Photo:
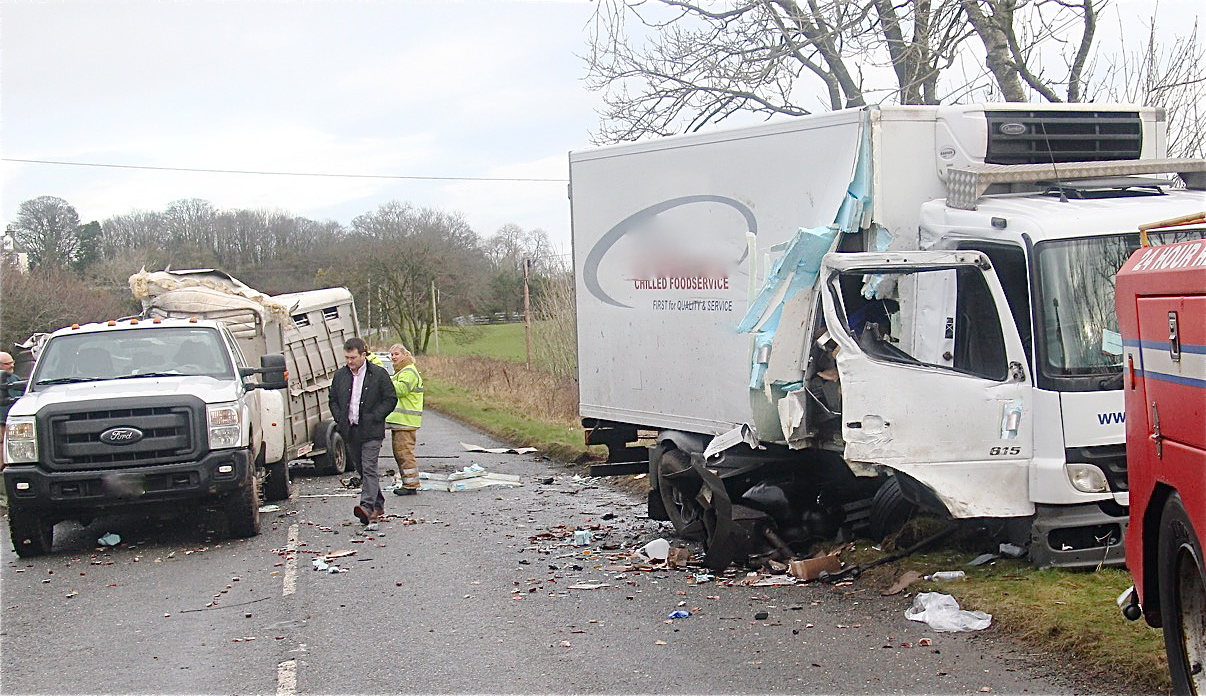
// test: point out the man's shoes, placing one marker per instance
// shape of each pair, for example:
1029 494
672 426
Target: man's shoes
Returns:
363 515
377 516
405 491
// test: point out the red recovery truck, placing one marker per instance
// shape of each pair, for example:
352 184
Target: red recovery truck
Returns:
1161 304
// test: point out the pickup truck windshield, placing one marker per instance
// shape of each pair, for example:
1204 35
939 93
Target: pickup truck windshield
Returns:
1078 330
150 352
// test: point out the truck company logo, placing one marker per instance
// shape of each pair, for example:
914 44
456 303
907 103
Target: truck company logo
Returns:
1178 256
121 435
663 262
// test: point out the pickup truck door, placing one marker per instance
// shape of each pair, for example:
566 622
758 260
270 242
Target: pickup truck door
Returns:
933 380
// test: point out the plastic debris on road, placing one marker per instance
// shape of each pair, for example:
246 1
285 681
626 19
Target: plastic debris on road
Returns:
678 614
582 537
469 478
109 539
942 613
498 450
656 550
270 508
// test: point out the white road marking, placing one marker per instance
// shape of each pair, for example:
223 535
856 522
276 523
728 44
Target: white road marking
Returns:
289 582
286 678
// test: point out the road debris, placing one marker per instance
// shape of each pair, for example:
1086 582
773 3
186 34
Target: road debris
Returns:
498 450
902 583
110 539
469 478
942 613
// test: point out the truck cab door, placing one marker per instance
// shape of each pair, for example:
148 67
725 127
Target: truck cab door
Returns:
933 376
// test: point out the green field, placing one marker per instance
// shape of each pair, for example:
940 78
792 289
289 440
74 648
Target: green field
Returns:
502 341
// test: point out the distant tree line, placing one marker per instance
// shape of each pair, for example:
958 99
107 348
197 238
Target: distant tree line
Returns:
395 260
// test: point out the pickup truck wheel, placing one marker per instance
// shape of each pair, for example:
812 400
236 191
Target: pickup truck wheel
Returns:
335 459
32 534
243 510
678 487
1182 599
276 483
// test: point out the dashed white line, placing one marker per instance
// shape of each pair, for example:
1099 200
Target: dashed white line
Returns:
286 678
289 582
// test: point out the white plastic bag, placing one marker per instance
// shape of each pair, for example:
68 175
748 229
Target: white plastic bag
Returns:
942 613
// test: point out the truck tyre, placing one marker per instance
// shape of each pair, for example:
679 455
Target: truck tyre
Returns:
32 534
276 482
243 510
678 491
890 509
335 459
1182 598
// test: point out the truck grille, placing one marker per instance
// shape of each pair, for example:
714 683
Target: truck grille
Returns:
75 442
1111 459
1041 137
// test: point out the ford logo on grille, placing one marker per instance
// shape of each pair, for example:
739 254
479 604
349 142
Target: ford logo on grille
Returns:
1013 128
121 435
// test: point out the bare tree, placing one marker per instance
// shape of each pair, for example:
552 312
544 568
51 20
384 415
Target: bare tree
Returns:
668 66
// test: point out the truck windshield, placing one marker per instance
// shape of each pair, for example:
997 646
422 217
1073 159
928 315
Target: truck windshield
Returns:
131 354
1078 329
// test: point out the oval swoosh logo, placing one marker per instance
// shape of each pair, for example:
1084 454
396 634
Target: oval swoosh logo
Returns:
122 435
590 267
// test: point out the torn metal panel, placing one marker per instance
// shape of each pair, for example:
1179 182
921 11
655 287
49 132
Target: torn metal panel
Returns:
742 433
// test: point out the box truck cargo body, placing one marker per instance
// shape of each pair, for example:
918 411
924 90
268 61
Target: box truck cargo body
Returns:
828 322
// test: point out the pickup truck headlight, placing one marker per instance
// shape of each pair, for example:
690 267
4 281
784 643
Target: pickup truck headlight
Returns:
225 425
1087 478
21 441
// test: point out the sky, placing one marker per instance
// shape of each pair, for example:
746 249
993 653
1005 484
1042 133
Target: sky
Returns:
487 91
482 89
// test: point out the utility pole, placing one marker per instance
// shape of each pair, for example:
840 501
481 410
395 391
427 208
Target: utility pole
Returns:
527 312
435 318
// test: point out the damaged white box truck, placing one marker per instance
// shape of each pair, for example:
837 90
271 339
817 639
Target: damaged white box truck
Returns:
815 327
161 413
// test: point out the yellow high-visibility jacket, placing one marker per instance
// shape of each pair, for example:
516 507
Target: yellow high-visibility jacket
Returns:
408 385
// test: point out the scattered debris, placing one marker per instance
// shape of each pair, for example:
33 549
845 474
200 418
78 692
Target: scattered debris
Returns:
110 539
656 550
902 583
582 537
812 568
983 558
947 576
942 613
1012 550
499 450
470 478
678 614
270 508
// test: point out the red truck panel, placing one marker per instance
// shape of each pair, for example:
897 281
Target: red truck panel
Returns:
1155 282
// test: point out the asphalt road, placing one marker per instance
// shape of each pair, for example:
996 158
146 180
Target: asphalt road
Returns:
465 592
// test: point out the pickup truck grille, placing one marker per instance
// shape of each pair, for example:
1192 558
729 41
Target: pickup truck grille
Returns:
75 441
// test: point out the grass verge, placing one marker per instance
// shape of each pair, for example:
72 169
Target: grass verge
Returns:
1066 613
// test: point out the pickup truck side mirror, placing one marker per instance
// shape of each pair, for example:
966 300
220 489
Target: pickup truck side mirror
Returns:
272 367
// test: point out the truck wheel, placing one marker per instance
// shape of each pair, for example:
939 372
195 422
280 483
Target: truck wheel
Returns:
32 534
335 459
276 483
243 510
678 491
1182 598
890 509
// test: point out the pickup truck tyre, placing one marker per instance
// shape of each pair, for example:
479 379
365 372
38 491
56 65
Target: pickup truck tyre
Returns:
276 483
32 534
335 459
1182 598
678 491
243 510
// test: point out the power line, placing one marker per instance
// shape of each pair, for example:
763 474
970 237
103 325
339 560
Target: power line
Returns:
267 173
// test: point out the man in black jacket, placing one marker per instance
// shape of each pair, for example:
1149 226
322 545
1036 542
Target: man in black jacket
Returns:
361 397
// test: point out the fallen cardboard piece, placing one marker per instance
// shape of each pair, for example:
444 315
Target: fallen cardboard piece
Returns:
902 583
811 568
498 450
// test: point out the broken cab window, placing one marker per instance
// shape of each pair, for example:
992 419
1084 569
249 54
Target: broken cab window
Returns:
942 317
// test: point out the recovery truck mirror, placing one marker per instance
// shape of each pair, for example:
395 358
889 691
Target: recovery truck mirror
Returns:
272 367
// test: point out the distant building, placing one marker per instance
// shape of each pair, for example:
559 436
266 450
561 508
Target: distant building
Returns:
8 251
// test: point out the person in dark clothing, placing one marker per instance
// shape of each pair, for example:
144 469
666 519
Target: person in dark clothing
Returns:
7 395
360 399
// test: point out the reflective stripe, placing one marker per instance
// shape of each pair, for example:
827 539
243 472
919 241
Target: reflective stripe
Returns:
407 412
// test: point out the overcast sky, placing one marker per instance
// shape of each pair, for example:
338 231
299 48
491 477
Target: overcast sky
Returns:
488 89
439 88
